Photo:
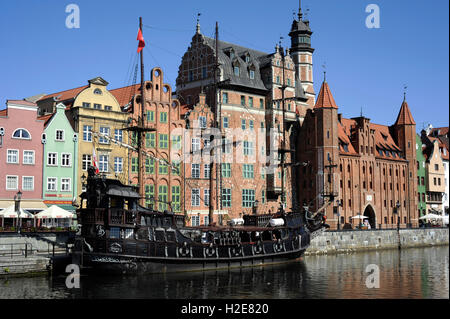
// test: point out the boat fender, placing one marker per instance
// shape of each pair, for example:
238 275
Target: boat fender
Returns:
236 251
184 250
278 246
210 251
258 248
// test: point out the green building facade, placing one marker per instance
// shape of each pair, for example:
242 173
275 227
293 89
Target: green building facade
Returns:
60 161
421 178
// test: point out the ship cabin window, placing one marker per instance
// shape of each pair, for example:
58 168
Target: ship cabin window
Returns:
171 236
159 235
128 233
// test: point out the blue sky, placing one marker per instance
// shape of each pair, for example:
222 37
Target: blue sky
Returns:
366 68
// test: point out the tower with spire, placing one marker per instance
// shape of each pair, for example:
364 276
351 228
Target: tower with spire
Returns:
302 53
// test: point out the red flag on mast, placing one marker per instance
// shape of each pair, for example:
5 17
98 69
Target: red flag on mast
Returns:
140 37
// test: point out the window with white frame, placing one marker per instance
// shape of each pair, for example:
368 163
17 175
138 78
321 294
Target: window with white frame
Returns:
202 121
104 131
195 197
52 159
21 133
118 164
27 183
12 157
65 184
195 144
66 159
103 163
118 135
28 157
195 220
195 170
59 136
207 170
87 133
51 184
12 182
86 161
206 196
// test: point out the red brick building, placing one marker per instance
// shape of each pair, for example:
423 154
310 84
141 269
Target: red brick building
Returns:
375 165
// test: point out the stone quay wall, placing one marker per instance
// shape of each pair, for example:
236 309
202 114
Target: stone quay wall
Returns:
335 242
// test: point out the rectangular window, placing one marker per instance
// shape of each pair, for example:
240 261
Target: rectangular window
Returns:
226 170
204 72
202 121
86 161
87 133
134 165
150 116
118 135
52 159
28 157
27 183
51 184
195 197
195 170
149 166
149 195
176 197
104 131
163 117
248 148
226 146
195 144
176 168
252 74
206 197
226 197
108 107
236 71
225 98
176 142
225 122
162 198
207 170
261 103
163 141
66 159
12 157
163 168
103 163
150 140
85 104
243 124
97 106
263 196
250 101
195 220
242 100
248 171
65 184
12 182
118 164
248 198
59 136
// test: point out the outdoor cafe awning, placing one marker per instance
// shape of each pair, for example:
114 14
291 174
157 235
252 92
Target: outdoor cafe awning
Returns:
10 212
25 204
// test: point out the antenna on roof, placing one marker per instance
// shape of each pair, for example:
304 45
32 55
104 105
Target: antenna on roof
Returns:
361 112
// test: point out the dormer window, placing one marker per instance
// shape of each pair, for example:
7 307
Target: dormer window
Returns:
21 133
237 70
252 74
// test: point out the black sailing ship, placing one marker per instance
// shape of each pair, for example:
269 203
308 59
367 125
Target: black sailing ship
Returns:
118 235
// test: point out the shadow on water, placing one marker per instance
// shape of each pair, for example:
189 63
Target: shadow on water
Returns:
409 273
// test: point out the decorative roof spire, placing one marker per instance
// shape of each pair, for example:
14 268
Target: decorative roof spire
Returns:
325 98
300 14
404 116
197 29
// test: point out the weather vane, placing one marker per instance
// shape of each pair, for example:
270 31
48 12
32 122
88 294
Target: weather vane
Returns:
324 67
405 87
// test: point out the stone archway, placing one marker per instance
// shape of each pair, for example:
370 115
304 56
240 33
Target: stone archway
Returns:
370 212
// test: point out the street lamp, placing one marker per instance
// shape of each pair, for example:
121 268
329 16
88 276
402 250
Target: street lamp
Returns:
336 212
17 199
255 207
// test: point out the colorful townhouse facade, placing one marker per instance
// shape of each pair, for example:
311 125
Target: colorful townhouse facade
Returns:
421 178
21 155
60 165
95 115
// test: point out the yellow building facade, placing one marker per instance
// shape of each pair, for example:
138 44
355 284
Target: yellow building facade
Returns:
96 113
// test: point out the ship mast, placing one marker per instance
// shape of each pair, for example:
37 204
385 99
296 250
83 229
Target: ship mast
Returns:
283 149
140 145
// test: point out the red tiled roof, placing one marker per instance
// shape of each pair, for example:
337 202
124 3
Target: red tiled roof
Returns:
65 95
440 130
404 116
124 95
442 146
4 112
46 118
325 98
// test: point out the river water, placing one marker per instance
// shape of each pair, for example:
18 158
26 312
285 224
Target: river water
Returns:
418 273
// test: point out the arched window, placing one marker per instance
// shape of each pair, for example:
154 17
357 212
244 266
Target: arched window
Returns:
21 133
98 91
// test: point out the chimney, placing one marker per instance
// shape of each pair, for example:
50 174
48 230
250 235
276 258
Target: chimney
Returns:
340 118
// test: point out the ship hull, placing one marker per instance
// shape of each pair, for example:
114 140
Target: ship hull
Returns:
134 265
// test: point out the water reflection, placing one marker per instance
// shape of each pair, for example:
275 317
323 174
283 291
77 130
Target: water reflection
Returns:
410 273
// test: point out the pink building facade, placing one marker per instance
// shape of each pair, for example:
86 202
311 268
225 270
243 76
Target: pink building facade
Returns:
21 155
